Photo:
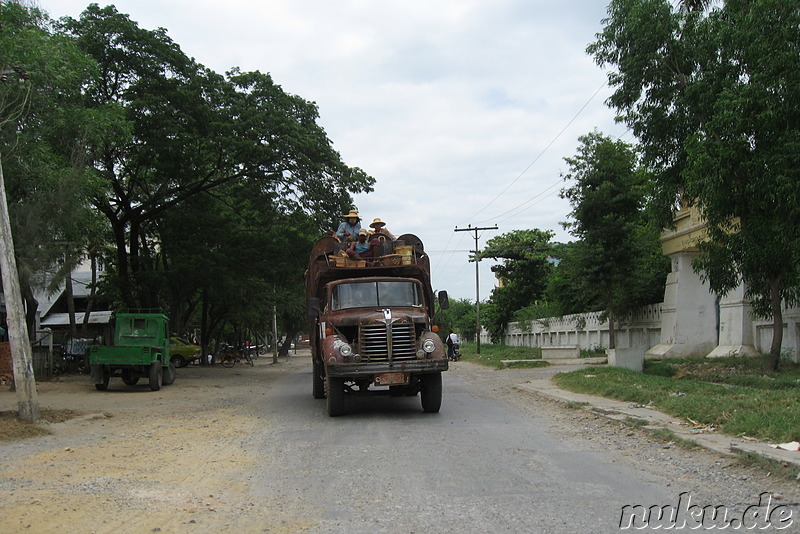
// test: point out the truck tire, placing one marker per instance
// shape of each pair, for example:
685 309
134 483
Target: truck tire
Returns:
431 392
168 375
335 396
318 380
128 378
106 376
156 374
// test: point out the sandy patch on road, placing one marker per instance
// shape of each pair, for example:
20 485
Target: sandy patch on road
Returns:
167 461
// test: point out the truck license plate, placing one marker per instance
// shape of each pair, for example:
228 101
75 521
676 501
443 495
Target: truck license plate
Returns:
392 379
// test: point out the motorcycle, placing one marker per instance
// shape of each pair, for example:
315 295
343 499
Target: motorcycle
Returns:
456 353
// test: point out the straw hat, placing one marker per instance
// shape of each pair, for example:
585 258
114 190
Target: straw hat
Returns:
363 231
377 223
353 213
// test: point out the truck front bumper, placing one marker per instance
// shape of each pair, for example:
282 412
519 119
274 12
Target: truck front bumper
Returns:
348 370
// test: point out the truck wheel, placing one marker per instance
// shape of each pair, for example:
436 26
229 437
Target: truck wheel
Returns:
431 392
168 375
128 378
179 361
318 380
335 396
156 373
102 386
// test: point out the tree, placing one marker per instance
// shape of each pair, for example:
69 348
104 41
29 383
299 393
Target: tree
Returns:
713 97
607 201
187 131
42 111
522 273
460 318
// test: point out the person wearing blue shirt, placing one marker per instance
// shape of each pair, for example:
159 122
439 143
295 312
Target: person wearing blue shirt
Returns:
349 227
361 247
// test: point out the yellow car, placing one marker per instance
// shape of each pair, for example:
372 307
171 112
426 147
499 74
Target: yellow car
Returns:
182 352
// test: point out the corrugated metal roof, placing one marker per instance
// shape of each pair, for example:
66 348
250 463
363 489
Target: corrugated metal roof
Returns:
62 319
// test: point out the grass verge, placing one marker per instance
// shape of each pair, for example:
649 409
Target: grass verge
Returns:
493 356
733 394
11 428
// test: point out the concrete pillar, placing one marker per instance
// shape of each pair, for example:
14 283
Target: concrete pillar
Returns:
688 315
735 326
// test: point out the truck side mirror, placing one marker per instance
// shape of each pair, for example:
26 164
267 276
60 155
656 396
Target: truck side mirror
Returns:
444 301
313 307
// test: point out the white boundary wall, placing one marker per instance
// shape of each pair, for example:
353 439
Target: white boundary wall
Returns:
642 330
585 330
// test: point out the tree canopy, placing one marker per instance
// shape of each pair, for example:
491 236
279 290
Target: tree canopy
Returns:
615 240
522 273
712 96
204 185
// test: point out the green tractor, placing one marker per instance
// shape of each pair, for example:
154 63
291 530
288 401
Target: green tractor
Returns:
140 349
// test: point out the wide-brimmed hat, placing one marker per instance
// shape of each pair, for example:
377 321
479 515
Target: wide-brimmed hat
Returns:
353 213
363 231
377 223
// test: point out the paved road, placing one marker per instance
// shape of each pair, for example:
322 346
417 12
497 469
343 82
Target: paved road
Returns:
480 465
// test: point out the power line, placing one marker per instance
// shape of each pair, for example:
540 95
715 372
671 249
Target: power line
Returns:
542 152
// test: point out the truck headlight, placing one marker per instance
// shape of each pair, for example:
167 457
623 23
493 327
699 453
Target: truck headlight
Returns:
428 346
345 350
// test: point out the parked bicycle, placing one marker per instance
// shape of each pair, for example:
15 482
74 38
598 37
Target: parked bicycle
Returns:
230 356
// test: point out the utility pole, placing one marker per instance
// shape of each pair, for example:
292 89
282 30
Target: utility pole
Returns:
477 260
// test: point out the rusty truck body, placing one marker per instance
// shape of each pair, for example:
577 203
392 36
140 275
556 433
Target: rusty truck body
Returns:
371 324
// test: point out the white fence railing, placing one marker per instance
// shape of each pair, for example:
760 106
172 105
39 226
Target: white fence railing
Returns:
641 330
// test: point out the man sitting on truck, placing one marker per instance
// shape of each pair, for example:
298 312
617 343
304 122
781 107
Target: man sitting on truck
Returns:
349 227
379 235
361 248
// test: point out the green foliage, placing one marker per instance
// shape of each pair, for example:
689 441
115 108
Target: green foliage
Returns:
734 394
493 355
460 318
200 193
617 250
42 115
713 98
523 270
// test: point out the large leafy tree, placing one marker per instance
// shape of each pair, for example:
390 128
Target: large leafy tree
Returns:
189 131
42 121
714 98
523 273
607 197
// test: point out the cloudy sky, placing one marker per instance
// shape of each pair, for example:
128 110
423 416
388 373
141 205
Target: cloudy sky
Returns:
463 110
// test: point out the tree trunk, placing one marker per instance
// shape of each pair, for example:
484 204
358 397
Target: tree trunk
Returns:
90 300
612 334
68 294
204 341
777 327
287 343
21 352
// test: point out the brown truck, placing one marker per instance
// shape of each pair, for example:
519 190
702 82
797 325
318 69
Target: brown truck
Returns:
371 324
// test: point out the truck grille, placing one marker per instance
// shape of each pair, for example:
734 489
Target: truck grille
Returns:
381 342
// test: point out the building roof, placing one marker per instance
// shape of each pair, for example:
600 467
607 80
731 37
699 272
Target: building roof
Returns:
56 320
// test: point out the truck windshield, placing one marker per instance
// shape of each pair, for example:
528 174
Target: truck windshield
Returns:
374 294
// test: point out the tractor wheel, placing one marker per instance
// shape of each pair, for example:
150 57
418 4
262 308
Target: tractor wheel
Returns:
156 374
102 386
128 378
169 375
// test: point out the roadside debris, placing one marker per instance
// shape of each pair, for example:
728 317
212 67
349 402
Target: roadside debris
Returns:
791 446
